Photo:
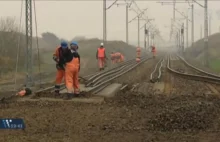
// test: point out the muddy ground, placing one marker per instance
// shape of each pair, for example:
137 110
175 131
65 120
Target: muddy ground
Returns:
130 116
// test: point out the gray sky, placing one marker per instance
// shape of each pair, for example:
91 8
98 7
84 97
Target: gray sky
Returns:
74 18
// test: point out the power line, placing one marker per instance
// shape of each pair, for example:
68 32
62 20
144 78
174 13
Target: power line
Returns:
18 46
37 42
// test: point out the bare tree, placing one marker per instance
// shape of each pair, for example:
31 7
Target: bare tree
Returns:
9 35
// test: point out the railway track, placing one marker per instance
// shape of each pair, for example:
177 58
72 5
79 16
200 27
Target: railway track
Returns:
157 72
98 81
201 76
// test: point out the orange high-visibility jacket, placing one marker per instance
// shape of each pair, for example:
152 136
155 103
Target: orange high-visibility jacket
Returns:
100 53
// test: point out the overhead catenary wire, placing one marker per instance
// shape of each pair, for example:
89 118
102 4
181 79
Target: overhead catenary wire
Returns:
111 4
37 43
18 47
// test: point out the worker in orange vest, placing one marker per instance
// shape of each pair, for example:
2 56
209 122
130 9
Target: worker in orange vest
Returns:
122 58
138 54
72 68
112 57
101 56
153 51
117 56
59 58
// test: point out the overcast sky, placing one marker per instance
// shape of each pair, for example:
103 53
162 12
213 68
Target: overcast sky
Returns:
84 18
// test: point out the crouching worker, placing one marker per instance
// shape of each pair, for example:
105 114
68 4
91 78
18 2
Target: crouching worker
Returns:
72 68
59 58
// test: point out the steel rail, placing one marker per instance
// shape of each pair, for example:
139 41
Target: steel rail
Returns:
97 89
112 75
110 72
197 69
103 72
91 76
192 76
152 76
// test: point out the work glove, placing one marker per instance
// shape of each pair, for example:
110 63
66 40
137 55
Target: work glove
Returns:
55 59
60 67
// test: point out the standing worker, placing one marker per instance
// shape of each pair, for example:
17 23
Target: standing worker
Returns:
58 57
101 56
138 54
153 51
72 68
122 58
117 56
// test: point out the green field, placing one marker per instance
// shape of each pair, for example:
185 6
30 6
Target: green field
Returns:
215 64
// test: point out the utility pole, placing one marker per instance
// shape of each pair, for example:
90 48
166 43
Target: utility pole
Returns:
174 12
192 38
138 30
127 5
201 31
127 23
29 60
145 34
182 40
187 28
210 18
104 22
148 39
177 39
206 33
152 38
138 18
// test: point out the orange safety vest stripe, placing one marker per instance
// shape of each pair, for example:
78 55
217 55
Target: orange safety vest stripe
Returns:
101 52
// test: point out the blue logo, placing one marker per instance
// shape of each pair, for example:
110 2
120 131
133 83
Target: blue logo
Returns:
12 124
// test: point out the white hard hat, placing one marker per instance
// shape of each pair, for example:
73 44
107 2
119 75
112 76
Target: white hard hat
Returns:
102 44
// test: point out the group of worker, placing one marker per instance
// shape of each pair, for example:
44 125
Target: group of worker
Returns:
117 57
138 53
67 61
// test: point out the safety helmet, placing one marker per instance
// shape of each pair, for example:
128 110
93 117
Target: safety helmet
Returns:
74 43
64 44
102 44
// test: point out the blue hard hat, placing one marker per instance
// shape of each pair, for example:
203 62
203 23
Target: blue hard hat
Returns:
64 44
74 43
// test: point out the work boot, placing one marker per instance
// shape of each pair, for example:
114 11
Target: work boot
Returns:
57 93
76 94
57 90
68 96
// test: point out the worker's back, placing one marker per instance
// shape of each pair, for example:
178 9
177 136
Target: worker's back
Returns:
101 52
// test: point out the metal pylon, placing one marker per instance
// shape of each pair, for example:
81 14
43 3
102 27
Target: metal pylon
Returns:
29 60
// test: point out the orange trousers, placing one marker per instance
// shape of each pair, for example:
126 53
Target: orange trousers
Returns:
71 79
101 61
154 54
59 76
